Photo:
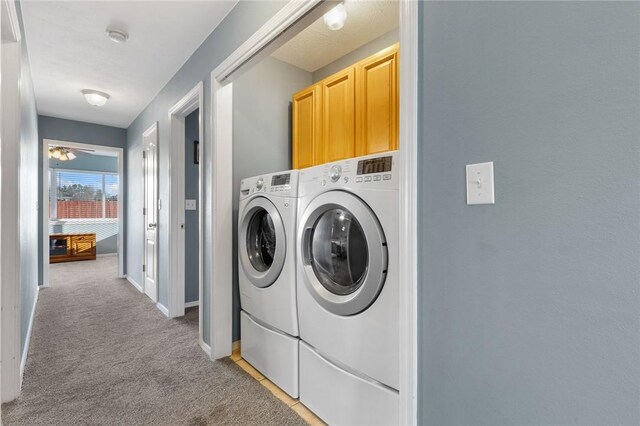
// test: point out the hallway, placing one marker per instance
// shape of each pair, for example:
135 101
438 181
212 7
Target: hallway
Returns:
102 354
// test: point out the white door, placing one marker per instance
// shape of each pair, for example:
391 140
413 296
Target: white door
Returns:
150 211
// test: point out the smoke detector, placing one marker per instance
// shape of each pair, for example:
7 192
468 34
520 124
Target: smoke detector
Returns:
117 36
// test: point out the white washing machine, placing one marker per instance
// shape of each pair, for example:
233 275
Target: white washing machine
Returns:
267 278
348 290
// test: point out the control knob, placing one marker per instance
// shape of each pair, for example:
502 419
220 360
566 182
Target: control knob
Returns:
336 172
259 184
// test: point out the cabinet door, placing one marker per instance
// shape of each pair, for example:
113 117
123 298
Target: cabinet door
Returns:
377 103
306 150
338 116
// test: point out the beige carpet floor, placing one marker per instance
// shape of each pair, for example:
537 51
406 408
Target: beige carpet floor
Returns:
102 354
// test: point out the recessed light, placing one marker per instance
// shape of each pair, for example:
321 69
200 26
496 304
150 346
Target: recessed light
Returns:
117 36
334 19
95 97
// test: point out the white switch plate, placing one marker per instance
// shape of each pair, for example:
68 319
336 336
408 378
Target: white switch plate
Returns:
480 183
190 204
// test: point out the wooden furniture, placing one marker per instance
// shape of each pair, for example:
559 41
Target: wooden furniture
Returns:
351 113
71 247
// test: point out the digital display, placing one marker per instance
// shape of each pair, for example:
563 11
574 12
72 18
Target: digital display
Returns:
281 179
374 165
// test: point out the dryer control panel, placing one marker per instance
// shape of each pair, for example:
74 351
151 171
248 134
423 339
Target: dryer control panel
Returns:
283 184
379 171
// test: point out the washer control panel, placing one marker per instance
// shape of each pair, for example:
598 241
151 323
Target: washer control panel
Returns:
283 184
370 172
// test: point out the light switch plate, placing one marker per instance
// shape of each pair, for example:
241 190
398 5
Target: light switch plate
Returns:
190 204
480 183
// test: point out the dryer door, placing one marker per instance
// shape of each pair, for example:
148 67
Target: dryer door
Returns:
261 242
344 253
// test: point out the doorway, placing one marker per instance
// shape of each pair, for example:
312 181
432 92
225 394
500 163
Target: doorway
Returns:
185 213
83 186
294 17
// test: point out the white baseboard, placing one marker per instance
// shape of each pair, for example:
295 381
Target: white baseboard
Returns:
134 283
162 309
206 348
106 254
192 304
25 352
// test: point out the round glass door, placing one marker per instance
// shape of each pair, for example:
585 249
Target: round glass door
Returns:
339 252
261 242
344 253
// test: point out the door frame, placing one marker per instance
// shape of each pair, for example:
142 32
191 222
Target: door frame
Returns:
10 108
220 157
44 201
194 99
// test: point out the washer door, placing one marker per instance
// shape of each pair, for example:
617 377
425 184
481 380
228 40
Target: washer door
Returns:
344 253
261 243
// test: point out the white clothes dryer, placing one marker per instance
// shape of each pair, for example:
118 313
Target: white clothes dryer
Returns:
266 274
348 290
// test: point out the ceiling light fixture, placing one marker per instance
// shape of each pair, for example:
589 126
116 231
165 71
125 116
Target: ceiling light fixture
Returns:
117 36
95 98
334 19
61 153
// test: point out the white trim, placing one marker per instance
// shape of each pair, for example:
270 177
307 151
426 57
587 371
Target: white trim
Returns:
106 254
193 100
206 348
409 77
220 156
162 309
12 15
44 202
192 304
134 283
11 217
25 352
10 224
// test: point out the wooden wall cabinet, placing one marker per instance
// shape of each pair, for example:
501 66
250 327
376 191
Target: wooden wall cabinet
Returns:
306 132
351 113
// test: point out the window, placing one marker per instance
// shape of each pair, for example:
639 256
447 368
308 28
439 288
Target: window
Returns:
83 195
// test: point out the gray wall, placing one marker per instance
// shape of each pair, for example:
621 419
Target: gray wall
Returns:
191 182
78 131
529 307
28 193
238 25
359 54
261 133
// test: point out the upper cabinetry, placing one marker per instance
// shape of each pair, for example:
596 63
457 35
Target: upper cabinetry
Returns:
351 113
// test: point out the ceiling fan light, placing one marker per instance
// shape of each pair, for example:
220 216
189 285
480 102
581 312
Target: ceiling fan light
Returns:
71 156
56 153
95 97
334 19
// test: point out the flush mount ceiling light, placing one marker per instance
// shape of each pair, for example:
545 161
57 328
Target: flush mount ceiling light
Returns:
117 36
61 153
95 97
334 19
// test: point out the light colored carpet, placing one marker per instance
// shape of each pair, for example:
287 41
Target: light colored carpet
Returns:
102 354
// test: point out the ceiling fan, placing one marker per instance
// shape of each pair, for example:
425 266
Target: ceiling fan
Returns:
64 153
